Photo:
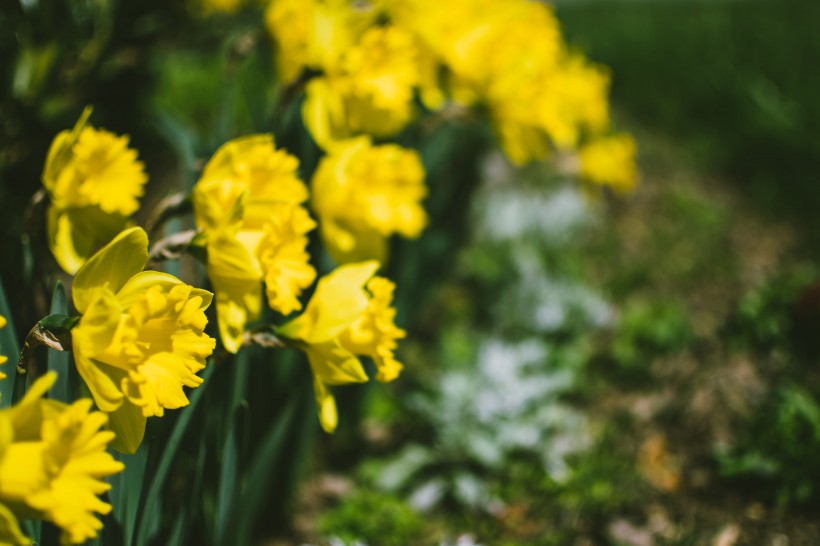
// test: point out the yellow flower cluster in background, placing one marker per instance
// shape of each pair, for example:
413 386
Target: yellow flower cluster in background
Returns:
94 182
349 315
374 59
53 463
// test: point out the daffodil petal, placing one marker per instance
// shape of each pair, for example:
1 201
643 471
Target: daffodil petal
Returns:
128 423
74 234
326 405
104 388
335 365
237 281
111 267
139 283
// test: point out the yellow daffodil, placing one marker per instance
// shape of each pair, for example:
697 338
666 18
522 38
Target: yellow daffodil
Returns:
140 338
53 462
370 91
363 194
247 204
511 58
349 315
94 182
610 161
315 33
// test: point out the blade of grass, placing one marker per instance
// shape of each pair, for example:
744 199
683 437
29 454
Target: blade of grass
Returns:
126 489
149 507
231 451
261 478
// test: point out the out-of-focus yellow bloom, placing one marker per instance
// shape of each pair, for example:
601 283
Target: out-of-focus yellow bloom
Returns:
315 33
369 91
350 314
52 463
283 256
610 161
94 181
363 194
551 111
140 338
247 205
510 57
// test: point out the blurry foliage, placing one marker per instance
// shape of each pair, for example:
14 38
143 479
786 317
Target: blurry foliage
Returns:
779 450
649 330
735 81
376 519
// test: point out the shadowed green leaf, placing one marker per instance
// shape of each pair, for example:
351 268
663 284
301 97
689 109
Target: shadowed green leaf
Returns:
262 477
149 511
9 348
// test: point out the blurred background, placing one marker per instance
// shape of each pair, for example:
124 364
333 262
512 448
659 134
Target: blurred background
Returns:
627 370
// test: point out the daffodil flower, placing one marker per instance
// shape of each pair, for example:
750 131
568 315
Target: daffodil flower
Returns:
140 338
370 91
315 33
363 194
94 182
53 462
348 316
247 204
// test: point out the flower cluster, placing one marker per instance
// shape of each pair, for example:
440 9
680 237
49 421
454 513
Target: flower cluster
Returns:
248 206
375 58
367 70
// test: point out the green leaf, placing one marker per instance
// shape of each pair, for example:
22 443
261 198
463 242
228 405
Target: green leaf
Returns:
262 478
127 488
60 361
32 529
8 347
235 438
149 511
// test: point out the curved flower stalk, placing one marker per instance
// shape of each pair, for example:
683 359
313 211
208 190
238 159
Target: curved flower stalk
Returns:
94 182
53 462
247 204
140 338
363 194
349 315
